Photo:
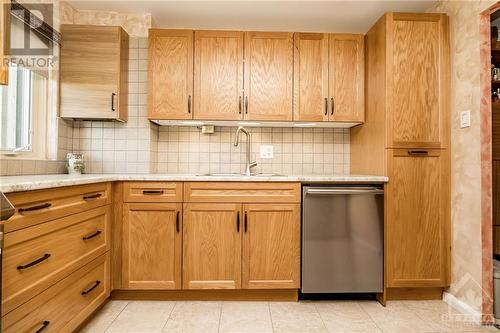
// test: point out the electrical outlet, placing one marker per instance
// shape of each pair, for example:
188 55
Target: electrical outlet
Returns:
266 151
465 119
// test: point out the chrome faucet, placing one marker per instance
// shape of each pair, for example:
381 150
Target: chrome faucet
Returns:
248 147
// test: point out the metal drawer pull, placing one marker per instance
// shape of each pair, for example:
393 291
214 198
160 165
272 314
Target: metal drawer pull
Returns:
189 104
35 262
95 234
418 152
345 191
92 196
44 326
333 106
177 225
246 104
85 292
246 222
113 102
30 209
152 192
238 222
239 105
326 106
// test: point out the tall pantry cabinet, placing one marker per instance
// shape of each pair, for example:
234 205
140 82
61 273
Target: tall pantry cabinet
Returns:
406 137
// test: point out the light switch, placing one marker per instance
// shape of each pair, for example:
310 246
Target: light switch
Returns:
266 151
465 119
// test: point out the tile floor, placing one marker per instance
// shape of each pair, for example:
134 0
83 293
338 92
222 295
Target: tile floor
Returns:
286 317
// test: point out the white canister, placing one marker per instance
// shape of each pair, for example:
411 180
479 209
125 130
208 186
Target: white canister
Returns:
75 164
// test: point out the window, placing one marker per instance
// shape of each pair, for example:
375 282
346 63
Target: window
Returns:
23 114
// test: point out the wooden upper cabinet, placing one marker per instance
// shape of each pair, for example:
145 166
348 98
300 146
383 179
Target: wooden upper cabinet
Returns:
271 246
418 220
268 76
212 246
170 74
4 40
346 78
94 67
418 80
310 77
152 245
218 75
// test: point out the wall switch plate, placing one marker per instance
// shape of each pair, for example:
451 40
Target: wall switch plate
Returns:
465 119
266 151
207 129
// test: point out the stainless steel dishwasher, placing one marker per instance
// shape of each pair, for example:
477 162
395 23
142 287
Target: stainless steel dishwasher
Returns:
342 239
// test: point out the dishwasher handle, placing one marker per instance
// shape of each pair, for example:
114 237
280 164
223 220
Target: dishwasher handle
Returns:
345 190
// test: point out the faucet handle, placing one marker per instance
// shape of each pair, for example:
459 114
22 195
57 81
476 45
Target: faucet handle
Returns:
253 164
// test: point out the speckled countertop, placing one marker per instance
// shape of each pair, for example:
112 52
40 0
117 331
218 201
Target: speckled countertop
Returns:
36 182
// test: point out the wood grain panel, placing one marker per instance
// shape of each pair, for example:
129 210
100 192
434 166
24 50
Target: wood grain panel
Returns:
4 41
91 68
63 305
218 75
63 201
414 294
152 246
152 192
116 235
218 192
61 239
310 77
211 246
170 73
268 76
271 246
417 227
346 77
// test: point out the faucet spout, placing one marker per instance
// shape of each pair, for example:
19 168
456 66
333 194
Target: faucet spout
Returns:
249 164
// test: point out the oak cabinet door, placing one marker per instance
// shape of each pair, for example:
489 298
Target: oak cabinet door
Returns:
271 246
310 77
346 76
418 218
170 74
94 67
152 236
268 76
218 75
418 78
212 246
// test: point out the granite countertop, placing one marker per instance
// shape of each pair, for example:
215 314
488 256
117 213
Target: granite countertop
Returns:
36 182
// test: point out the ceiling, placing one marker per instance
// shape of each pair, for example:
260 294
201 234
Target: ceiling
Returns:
320 16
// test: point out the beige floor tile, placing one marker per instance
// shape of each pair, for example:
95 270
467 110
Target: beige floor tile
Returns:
345 317
142 317
396 317
192 317
300 317
103 319
245 317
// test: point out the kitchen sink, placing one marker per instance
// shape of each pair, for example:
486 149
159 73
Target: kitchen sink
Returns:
240 175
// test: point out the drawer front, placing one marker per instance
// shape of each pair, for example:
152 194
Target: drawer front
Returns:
37 257
63 306
242 192
152 192
34 207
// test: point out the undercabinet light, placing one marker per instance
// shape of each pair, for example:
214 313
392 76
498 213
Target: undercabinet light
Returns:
305 124
192 123
243 123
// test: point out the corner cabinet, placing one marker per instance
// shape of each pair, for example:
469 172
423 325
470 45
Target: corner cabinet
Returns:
94 72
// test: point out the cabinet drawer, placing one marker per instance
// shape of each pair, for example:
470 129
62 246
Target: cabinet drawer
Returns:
39 256
62 307
242 192
34 207
152 192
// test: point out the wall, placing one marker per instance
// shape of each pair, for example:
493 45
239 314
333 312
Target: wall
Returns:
466 149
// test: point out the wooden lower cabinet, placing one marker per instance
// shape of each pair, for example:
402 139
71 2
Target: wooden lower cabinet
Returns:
212 246
271 246
152 245
418 221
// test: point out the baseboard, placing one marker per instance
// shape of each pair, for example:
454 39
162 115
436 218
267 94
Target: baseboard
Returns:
207 295
399 294
462 307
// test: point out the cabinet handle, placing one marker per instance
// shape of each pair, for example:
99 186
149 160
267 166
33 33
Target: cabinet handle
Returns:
96 284
43 327
333 106
326 106
92 196
95 234
38 207
152 192
246 222
418 152
238 222
34 262
246 104
189 104
177 224
113 102
239 105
